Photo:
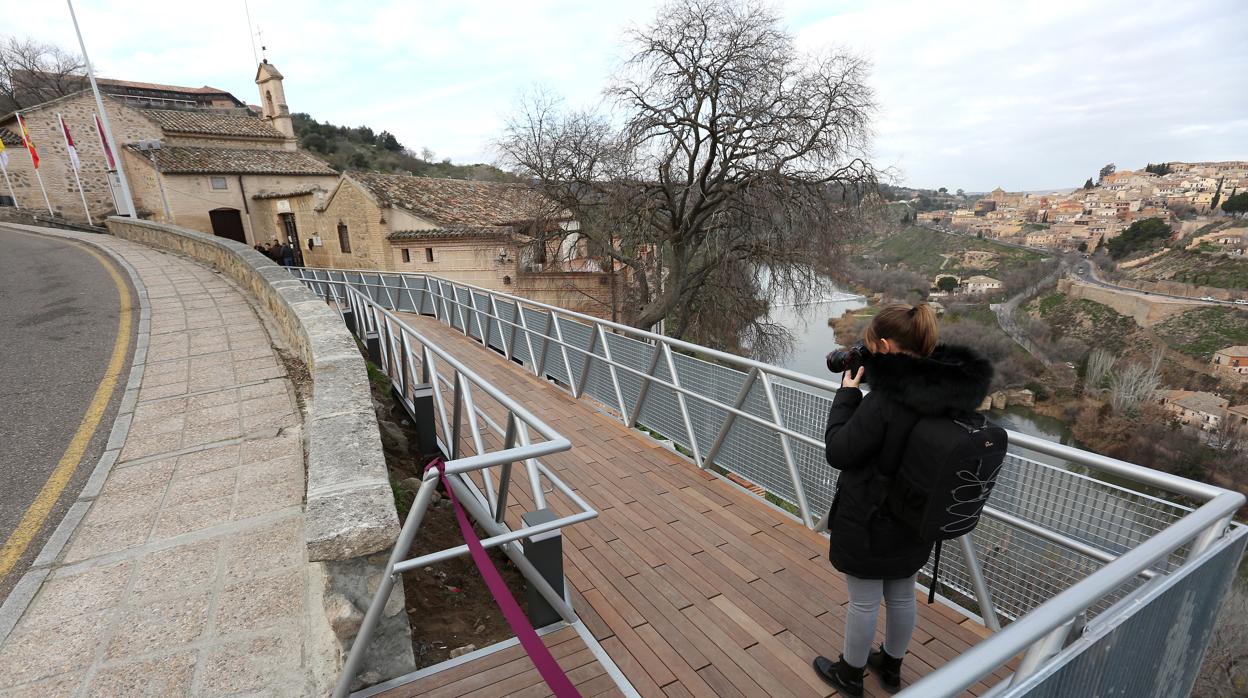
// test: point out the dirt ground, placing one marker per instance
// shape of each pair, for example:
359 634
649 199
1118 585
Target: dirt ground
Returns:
448 604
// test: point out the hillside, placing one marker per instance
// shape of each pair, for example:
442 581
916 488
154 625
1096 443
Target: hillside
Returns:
927 252
1197 267
1202 331
361 148
1089 322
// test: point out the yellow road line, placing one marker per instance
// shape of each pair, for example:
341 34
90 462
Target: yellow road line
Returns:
39 510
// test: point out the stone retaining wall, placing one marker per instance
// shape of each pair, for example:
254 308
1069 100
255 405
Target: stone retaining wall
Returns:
350 519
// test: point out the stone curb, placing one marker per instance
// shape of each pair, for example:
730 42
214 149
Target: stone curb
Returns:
342 441
26 588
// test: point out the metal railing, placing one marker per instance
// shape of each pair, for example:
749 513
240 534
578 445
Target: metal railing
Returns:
464 430
1047 533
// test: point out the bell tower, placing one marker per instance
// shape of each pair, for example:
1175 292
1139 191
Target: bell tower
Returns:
273 107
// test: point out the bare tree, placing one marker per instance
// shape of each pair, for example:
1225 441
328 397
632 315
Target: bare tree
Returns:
729 152
1132 385
32 72
1100 364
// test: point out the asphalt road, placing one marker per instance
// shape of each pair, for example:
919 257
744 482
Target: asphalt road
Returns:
1089 274
59 315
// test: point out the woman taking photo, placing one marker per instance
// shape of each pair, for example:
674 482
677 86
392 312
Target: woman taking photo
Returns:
911 376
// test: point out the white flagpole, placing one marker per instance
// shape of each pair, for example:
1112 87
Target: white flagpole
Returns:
73 166
108 130
12 194
26 138
108 171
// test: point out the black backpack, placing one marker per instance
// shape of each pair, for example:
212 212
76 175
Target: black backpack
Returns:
945 502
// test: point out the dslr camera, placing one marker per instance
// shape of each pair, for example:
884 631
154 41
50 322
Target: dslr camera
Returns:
848 358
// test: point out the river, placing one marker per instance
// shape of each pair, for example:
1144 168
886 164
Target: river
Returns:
814 338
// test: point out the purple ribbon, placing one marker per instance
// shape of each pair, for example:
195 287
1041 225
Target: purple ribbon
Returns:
546 665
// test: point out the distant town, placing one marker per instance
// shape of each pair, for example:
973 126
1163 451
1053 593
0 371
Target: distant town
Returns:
1100 210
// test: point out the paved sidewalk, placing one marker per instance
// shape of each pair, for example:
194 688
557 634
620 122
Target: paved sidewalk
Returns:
188 573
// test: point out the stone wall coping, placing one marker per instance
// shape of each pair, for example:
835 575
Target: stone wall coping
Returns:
350 507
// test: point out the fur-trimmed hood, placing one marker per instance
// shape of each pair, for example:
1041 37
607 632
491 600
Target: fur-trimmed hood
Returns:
953 379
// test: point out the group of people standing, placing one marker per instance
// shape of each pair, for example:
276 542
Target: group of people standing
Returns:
280 252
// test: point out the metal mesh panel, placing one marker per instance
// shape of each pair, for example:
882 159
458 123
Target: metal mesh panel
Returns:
1155 648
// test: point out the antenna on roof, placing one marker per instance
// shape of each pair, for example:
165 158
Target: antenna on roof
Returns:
250 34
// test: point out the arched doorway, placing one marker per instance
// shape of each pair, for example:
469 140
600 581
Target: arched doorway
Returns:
227 223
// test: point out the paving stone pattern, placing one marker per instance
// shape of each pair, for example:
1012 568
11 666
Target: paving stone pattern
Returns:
188 575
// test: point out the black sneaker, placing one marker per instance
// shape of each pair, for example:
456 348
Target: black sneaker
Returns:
844 678
887 667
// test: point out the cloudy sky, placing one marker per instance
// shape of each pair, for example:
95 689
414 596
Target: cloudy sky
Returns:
1025 95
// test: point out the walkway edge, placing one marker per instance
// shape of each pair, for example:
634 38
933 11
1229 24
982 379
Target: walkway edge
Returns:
24 591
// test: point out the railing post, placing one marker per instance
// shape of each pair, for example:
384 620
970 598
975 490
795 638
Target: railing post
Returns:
578 388
615 376
987 610
563 347
1041 651
540 370
528 336
786 448
360 644
457 415
731 417
645 388
430 375
530 465
504 475
684 406
502 336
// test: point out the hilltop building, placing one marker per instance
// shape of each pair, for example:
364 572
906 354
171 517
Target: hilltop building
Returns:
1193 408
215 155
1231 362
496 235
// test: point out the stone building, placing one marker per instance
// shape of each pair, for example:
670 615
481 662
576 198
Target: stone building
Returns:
495 235
215 155
1231 362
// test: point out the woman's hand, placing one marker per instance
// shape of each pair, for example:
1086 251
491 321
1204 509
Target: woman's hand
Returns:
848 381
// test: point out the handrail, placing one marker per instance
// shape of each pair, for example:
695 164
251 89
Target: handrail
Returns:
1104 464
984 657
398 345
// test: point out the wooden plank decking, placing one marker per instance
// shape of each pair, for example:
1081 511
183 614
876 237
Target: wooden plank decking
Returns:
509 672
692 585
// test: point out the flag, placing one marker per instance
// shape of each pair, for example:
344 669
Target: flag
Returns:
4 157
69 144
108 152
34 155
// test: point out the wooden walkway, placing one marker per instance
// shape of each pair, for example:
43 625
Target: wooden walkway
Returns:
692 585
509 672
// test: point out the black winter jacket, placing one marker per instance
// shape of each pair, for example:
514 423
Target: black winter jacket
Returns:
867 435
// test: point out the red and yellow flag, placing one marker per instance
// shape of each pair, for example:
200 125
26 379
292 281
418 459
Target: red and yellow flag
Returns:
30 146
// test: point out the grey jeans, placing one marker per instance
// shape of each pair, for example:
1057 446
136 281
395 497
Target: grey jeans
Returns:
864 606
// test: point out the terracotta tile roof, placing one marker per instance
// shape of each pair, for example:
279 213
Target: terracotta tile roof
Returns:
212 123
188 160
455 231
1203 402
205 90
450 202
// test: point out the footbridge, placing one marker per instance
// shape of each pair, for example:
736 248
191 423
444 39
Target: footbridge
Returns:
689 487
